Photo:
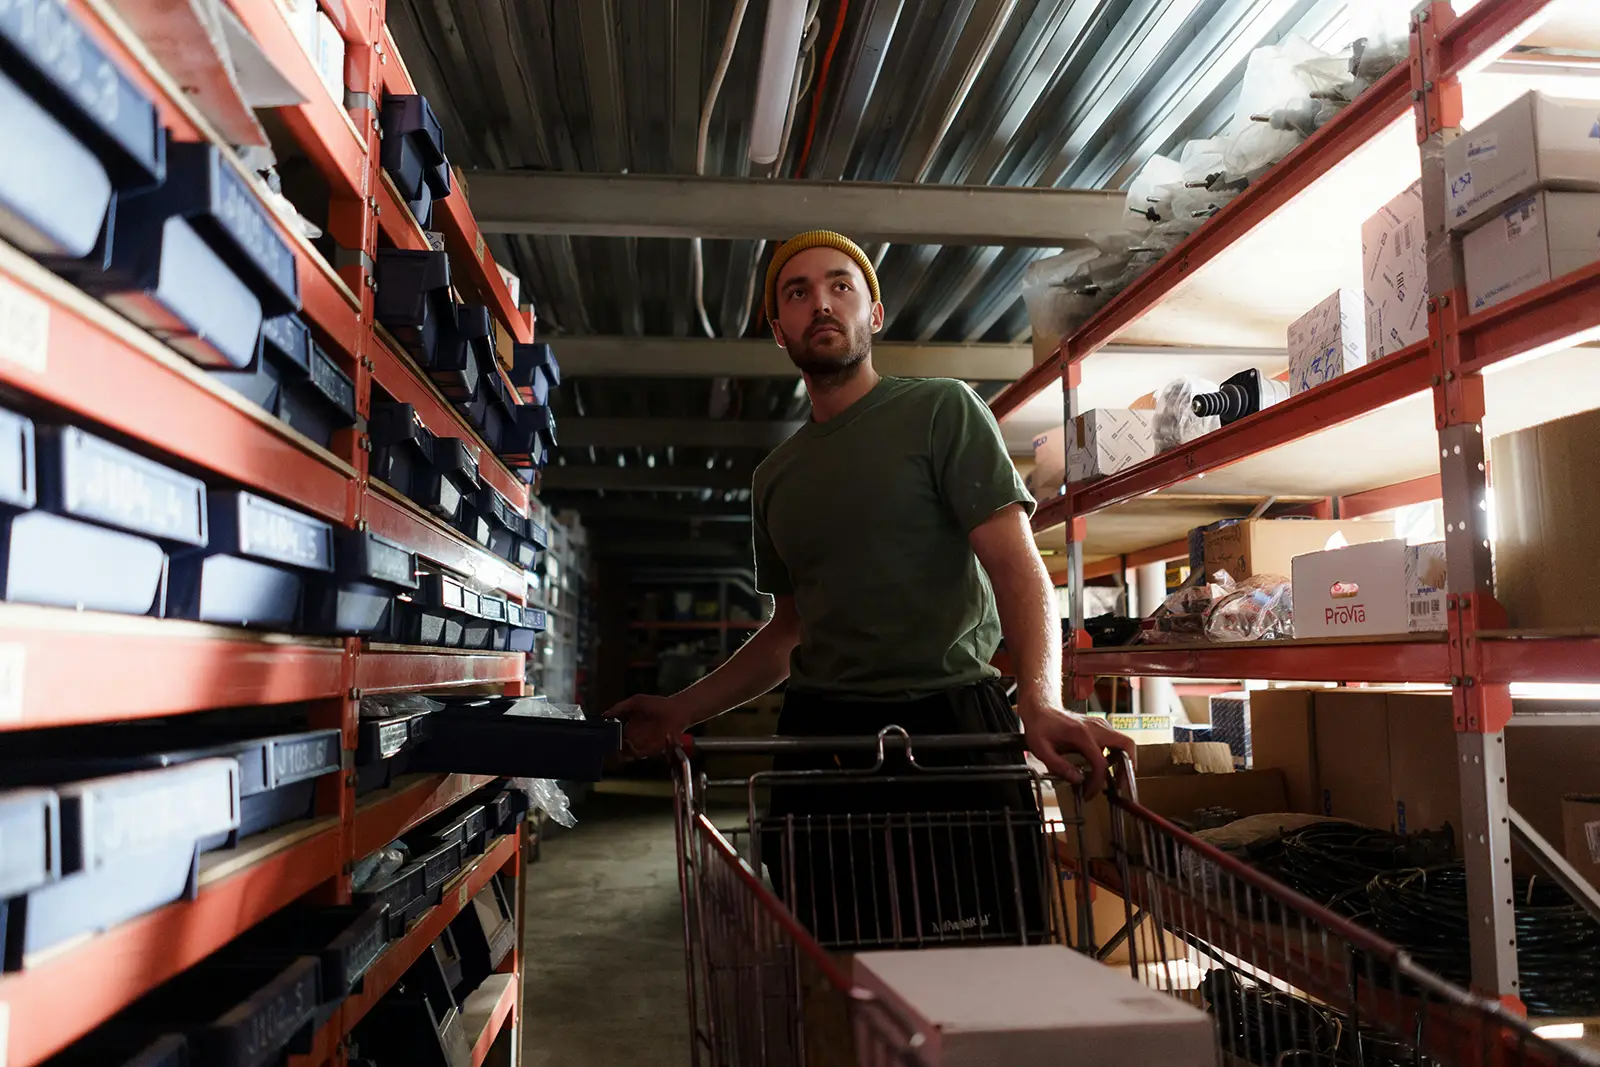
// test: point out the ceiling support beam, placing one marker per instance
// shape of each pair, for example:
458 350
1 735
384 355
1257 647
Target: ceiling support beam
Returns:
643 479
639 205
699 357
634 509
595 432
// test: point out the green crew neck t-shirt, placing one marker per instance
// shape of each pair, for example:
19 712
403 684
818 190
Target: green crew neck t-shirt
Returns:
864 520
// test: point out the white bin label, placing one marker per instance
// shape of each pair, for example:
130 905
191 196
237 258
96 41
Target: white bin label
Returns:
13 671
24 330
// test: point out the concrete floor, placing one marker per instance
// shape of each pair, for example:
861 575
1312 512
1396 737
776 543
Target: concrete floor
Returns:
603 941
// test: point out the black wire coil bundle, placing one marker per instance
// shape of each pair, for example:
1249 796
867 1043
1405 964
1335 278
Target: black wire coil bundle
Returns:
1275 1028
1558 944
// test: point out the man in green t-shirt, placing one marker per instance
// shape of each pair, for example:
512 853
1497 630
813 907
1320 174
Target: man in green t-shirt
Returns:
892 532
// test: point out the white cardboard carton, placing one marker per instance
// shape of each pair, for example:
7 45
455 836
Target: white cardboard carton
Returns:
329 57
1536 141
1032 1006
1531 242
1107 440
1380 587
1327 341
1394 261
1049 472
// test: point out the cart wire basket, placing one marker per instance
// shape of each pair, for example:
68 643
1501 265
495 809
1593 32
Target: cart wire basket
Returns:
1289 982
929 842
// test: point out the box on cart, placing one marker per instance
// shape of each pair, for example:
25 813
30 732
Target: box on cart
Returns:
1529 243
1537 141
1394 275
1030 1005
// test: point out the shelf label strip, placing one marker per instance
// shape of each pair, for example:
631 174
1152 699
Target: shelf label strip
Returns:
24 332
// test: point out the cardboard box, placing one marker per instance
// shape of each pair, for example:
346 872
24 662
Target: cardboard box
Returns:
1283 738
1178 793
1048 477
1021 1006
1531 242
1352 741
1268 546
1546 514
1580 818
1537 141
1382 587
1327 341
1230 725
328 57
1107 440
1394 261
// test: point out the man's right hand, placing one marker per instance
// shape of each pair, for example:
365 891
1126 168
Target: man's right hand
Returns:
651 725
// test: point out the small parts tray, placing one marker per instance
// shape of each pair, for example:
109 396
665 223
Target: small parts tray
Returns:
467 824
30 832
237 1012
485 932
277 774
129 843
383 748
403 895
347 940
501 737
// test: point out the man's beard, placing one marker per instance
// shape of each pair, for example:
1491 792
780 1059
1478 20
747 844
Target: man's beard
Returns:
828 363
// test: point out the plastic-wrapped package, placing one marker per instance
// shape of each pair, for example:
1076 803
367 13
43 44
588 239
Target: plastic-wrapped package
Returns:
1276 108
1060 295
1182 616
1381 39
390 705
376 868
1175 421
1151 190
1259 608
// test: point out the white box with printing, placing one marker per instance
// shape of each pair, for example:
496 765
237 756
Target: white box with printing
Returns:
1032 1006
1107 440
1531 242
1049 472
1537 141
1394 261
1380 587
1327 341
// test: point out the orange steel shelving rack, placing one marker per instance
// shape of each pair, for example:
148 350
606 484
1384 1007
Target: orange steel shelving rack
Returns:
91 365
1478 658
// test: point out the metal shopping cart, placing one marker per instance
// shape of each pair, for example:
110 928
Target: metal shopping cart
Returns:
942 841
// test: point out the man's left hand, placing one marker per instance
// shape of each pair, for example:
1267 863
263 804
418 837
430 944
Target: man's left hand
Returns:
1054 734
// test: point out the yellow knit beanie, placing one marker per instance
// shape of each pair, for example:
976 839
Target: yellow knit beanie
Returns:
815 239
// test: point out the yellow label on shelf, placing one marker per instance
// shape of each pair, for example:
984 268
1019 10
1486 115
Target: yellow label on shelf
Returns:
461 897
24 330
479 247
13 673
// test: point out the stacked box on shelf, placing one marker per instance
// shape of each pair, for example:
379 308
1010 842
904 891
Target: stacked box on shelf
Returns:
104 519
384 747
277 772
293 378
532 435
413 154
254 569
435 472
197 261
91 136
413 300
370 573
107 875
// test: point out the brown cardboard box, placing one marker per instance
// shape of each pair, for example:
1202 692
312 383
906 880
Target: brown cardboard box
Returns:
1388 759
1352 741
1185 757
1545 516
1282 736
1266 546
1175 796
1580 816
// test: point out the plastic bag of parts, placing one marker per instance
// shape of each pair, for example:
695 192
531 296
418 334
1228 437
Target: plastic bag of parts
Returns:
1380 39
1181 617
544 794
1260 608
1059 294
1151 190
387 707
1175 421
1289 91
376 868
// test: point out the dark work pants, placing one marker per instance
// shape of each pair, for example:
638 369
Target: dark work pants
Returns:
907 864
